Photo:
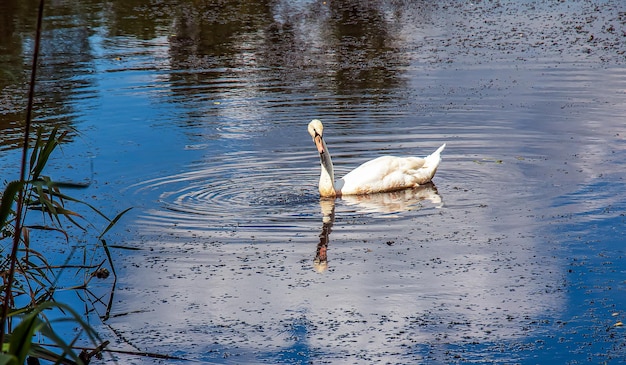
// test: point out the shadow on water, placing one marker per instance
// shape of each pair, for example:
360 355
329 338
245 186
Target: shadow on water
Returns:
196 111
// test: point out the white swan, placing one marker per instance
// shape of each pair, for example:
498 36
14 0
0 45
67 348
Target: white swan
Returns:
385 173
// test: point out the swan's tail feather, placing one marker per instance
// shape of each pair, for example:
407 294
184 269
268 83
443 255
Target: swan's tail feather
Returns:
431 162
434 158
440 149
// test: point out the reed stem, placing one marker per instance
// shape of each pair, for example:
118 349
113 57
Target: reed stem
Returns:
20 200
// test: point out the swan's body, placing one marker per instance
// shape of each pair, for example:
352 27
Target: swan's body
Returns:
385 173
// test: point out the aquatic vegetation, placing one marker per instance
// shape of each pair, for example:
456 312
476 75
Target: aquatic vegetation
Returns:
29 279
35 202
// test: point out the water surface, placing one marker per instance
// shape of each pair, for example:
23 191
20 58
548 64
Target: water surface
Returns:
195 114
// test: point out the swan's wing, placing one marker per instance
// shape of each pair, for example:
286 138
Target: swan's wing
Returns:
386 173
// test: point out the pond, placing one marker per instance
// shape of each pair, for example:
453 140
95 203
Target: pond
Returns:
195 114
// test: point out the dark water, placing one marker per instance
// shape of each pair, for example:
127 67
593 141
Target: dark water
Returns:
195 114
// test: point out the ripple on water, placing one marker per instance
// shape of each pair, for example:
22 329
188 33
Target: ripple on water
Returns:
240 191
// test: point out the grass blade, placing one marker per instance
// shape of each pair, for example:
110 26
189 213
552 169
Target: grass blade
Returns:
8 197
113 221
22 336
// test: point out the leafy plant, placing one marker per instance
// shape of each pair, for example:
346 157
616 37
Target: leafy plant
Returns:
20 345
29 289
28 279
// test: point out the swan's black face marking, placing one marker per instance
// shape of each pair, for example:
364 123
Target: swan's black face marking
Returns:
319 144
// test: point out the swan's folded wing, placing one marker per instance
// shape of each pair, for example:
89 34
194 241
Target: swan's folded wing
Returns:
386 173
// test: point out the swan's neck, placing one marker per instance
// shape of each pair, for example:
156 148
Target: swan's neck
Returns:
327 177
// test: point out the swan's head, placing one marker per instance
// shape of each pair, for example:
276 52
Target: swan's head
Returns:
316 130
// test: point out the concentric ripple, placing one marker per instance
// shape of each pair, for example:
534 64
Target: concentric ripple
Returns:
240 191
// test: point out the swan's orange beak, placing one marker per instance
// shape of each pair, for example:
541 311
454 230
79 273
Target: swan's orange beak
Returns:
319 143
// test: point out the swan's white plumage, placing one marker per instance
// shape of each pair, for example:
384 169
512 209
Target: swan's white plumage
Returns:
385 173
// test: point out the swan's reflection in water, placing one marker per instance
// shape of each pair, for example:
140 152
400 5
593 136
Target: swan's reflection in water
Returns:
320 263
395 201
392 202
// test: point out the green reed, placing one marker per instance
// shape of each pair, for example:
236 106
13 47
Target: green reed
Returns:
36 203
29 279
